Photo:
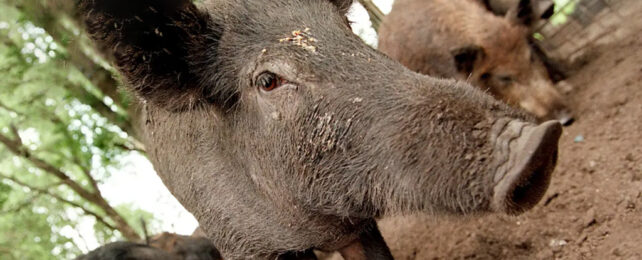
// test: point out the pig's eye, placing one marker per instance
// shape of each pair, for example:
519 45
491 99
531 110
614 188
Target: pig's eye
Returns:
506 79
269 81
485 76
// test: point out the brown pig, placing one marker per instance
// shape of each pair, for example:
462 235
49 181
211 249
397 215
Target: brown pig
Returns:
457 39
539 9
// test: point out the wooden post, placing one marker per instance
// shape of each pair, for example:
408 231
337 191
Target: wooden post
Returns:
376 16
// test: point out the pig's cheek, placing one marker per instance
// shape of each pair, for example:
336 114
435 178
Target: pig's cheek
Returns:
280 104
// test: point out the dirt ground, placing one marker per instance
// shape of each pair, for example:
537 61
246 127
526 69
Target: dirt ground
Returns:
593 209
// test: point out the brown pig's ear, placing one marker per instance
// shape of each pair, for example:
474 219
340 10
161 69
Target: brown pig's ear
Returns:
466 57
342 5
544 9
522 13
161 47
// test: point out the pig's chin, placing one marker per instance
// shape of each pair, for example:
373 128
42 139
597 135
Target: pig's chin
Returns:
533 155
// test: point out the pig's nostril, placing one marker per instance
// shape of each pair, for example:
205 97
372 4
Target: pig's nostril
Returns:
526 182
531 188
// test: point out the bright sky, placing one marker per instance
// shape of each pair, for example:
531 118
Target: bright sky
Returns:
138 184
362 25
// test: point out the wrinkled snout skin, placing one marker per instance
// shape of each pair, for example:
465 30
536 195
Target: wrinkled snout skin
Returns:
281 131
462 40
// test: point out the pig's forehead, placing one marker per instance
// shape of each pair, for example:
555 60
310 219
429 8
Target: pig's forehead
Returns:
264 16
312 34
308 26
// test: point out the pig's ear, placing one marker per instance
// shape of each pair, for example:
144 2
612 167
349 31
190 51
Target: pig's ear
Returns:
465 57
522 13
161 47
342 5
544 9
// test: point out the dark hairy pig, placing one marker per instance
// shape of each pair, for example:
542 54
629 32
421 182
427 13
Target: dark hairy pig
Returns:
186 247
282 132
164 246
457 39
127 251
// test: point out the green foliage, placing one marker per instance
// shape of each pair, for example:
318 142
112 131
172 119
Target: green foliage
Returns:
5 190
563 8
27 232
152 225
106 235
49 104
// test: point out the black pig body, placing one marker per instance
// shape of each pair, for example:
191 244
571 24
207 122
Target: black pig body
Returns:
127 251
282 132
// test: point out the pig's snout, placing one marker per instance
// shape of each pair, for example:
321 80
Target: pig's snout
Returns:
523 178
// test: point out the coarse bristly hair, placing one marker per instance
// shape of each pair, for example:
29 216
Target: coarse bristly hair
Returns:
167 49
162 47
348 134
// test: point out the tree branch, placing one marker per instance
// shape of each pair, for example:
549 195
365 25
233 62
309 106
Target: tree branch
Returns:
5 107
87 173
96 198
53 16
56 120
47 14
59 198
74 155
15 146
20 206
124 122
91 100
14 131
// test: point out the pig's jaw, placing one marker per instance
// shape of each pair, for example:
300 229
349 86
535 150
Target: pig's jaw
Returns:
525 156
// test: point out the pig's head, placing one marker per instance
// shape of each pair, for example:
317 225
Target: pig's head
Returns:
504 65
538 9
275 106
